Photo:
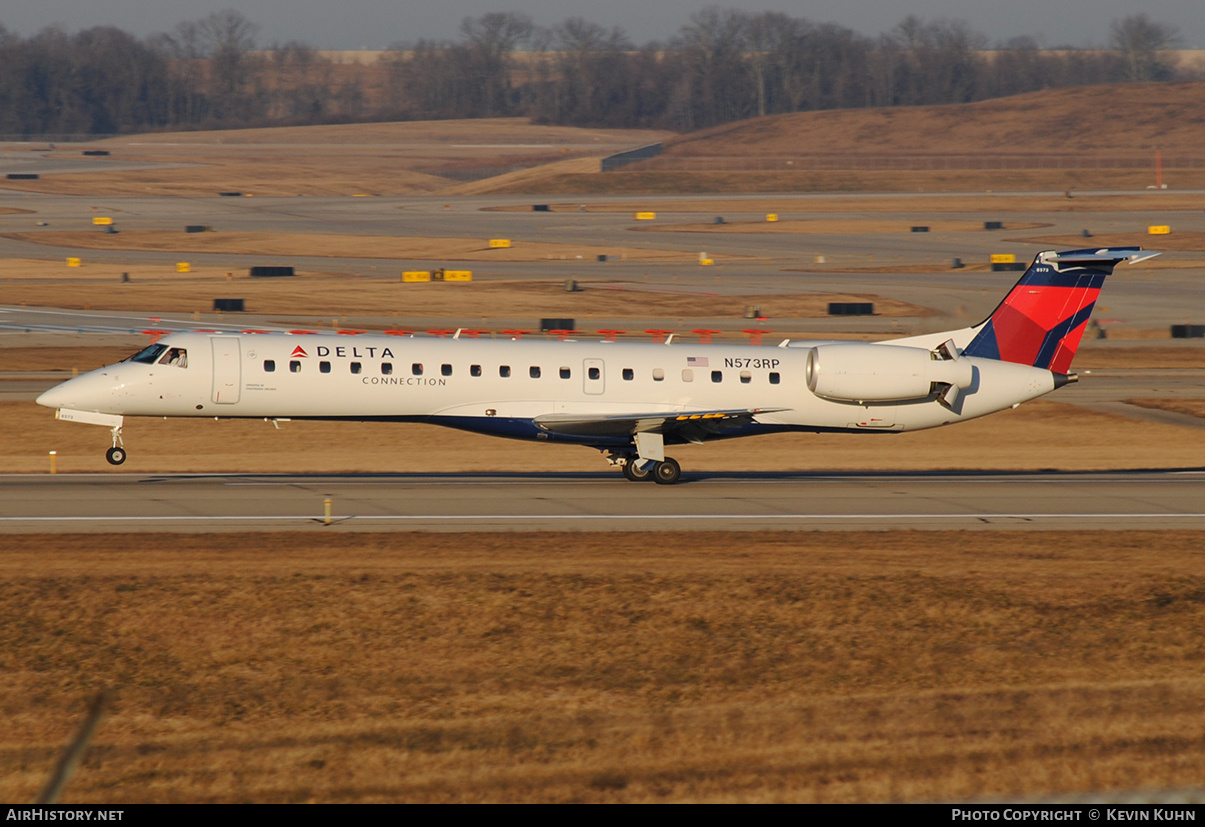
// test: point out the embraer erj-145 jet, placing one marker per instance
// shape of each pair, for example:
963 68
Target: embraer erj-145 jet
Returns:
627 400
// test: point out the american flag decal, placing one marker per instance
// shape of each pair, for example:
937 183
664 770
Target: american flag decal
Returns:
696 361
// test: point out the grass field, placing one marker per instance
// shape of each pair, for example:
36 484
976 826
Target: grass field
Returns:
543 667
325 298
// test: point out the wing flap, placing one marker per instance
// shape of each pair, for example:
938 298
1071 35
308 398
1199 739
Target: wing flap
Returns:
693 425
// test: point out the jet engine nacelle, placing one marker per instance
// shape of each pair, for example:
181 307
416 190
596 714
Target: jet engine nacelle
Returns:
882 373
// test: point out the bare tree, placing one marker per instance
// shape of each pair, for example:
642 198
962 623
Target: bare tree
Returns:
1140 40
717 80
589 69
226 38
491 39
770 40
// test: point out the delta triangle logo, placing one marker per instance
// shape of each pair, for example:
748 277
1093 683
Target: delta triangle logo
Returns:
299 351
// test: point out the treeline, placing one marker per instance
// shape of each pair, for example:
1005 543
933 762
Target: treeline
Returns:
722 65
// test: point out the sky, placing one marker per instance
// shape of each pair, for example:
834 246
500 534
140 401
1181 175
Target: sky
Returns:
375 24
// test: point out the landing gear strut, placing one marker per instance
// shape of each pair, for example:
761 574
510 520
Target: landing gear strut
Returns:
117 454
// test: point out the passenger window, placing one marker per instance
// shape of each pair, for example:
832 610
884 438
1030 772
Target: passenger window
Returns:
474 370
417 369
534 371
658 374
386 368
324 367
629 374
594 373
717 376
774 379
565 373
504 371
355 367
294 366
688 375
746 377
446 370
269 366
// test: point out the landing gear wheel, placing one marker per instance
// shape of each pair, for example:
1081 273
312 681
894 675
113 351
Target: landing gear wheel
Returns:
667 472
115 455
635 474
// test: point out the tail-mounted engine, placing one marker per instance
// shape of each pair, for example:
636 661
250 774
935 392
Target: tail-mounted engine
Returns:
887 373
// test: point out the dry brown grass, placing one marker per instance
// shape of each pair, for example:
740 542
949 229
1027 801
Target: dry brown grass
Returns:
636 182
475 135
328 297
352 159
920 206
1078 121
543 667
832 226
344 246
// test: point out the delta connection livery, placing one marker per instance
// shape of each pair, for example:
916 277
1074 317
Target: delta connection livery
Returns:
628 400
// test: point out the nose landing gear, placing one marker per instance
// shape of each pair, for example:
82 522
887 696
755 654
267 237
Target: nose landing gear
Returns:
117 454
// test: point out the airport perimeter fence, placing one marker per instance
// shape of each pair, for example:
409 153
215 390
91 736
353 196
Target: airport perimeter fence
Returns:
820 163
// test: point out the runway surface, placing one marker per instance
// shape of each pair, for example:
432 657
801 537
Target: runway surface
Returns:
604 502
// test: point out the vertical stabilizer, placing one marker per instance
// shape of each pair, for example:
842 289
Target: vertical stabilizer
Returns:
1042 319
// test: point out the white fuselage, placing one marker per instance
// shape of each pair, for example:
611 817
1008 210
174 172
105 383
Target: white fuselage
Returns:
501 386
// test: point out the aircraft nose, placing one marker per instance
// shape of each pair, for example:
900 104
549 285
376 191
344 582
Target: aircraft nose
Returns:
56 397
91 392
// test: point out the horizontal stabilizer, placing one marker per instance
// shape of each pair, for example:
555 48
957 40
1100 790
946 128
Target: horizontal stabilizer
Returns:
1101 257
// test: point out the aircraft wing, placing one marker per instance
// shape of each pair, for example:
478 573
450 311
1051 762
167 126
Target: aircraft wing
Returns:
692 426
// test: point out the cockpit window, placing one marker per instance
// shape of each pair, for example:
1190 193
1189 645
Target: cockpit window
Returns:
177 356
148 355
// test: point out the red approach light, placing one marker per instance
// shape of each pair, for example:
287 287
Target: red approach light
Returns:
299 351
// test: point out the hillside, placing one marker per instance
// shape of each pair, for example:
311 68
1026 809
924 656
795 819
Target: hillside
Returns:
1095 137
1098 119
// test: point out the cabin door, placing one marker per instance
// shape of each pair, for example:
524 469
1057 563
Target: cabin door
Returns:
227 369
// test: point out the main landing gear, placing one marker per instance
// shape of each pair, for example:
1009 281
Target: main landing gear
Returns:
666 472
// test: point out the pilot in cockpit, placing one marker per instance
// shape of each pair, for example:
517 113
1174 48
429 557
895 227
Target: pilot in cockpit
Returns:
177 356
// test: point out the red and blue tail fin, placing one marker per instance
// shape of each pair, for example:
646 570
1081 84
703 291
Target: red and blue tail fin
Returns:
1041 321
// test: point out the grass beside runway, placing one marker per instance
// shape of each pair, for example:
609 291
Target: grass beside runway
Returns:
555 667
